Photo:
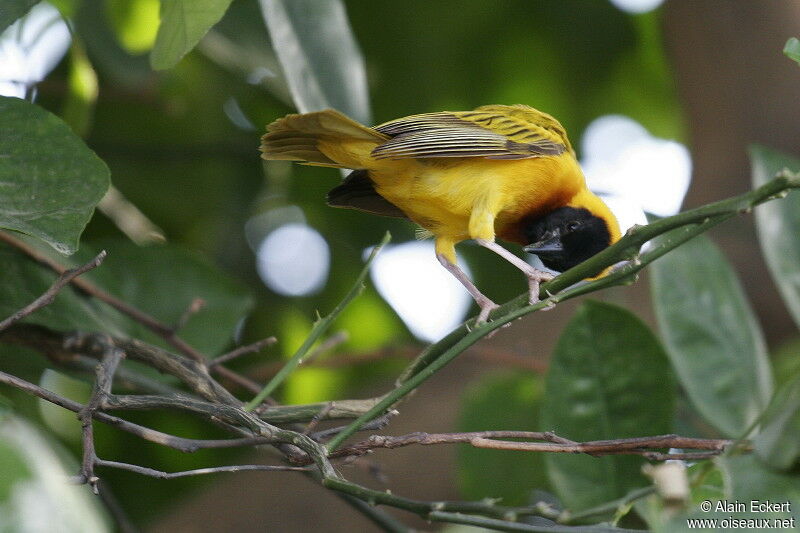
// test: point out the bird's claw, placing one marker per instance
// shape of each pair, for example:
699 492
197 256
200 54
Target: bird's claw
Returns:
486 308
535 278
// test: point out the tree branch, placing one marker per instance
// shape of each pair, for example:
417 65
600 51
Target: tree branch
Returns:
143 470
552 443
49 295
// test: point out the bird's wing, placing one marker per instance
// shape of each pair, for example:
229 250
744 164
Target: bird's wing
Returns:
494 132
357 191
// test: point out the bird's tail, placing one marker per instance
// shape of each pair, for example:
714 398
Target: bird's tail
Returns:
323 138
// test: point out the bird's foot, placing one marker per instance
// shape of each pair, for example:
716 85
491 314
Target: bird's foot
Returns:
487 306
535 278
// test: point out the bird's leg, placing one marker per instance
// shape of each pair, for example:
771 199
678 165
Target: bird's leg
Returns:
486 305
535 276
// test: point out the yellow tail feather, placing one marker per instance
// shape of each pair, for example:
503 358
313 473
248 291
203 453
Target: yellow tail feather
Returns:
325 138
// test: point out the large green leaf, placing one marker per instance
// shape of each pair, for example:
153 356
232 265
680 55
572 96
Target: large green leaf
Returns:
778 225
11 10
50 181
609 378
712 337
750 480
501 402
778 442
319 55
183 24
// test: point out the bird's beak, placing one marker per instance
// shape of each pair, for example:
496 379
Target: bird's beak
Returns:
550 244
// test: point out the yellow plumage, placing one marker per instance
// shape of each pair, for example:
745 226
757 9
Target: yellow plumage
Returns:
455 198
460 175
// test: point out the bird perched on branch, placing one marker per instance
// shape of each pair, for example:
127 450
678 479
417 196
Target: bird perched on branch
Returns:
505 171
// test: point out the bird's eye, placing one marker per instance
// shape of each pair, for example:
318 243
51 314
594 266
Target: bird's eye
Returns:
572 226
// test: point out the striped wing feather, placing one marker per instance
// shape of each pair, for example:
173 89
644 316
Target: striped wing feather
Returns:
493 132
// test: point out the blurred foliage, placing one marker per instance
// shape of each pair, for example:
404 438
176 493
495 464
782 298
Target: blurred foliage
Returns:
11 10
181 145
778 226
712 336
792 49
501 402
606 362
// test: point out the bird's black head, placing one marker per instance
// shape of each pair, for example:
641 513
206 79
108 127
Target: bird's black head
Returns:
565 237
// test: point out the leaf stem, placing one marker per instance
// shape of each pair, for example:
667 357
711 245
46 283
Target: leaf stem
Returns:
319 328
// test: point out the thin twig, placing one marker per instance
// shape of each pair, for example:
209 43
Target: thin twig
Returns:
505 525
166 332
242 350
490 354
145 471
93 290
312 424
196 305
165 439
378 423
327 345
553 443
112 356
49 295
320 327
117 512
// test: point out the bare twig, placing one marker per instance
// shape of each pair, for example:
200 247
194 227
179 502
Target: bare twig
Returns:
487 353
118 514
148 434
552 443
326 409
327 345
112 356
93 290
378 423
242 350
145 471
49 295
161 329
194 307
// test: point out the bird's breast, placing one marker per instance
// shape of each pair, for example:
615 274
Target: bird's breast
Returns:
441 194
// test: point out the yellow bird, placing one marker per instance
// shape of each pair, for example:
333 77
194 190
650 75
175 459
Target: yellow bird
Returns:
506 171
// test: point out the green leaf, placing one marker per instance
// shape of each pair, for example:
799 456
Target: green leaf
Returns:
183 24
778 442
792 49
163 281
11 10
609 378
319 55
501 402
712 337
778 225
50 181
749 479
